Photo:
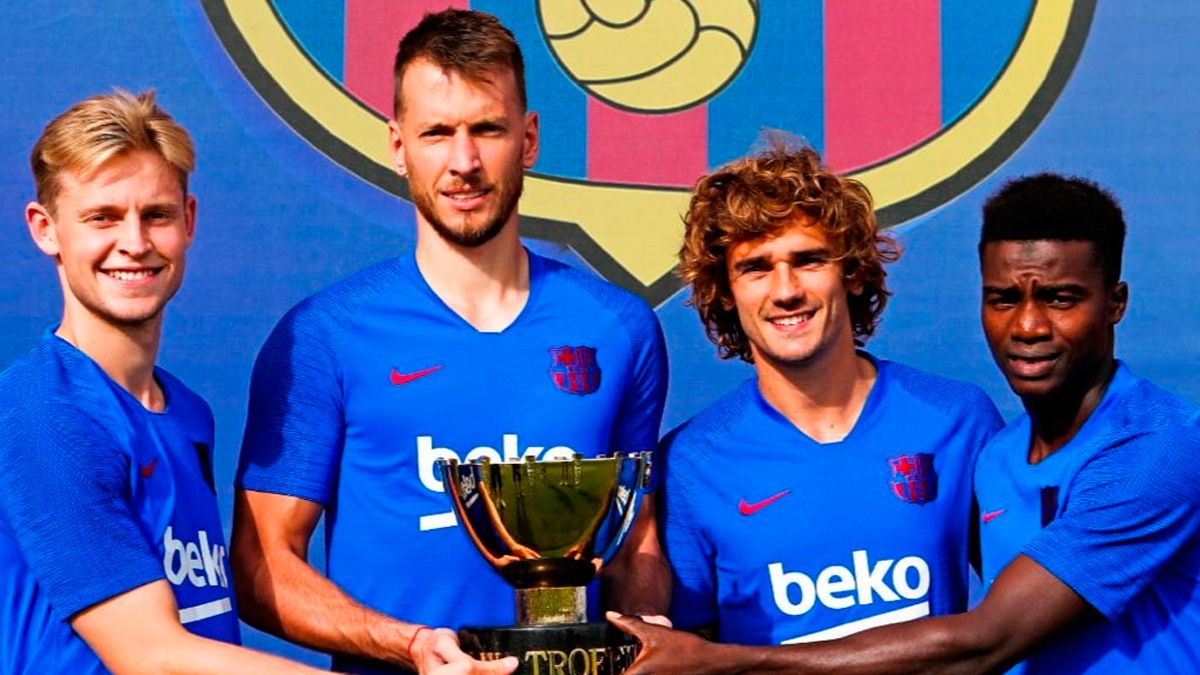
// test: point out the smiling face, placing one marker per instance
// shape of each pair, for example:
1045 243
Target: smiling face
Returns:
464 146
790 293
1048 316
119 235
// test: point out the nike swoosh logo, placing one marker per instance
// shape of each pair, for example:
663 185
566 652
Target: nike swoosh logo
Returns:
398 378
149 468
751 509
992 515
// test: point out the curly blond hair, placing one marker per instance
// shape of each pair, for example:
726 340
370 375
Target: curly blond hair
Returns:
762 195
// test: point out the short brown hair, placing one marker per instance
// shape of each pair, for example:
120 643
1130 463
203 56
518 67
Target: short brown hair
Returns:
468 43
102 127
760 196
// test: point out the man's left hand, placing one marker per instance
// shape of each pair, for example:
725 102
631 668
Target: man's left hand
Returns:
667 651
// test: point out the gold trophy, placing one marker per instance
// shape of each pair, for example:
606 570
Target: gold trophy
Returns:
549 528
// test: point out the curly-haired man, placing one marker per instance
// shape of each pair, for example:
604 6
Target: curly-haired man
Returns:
830 492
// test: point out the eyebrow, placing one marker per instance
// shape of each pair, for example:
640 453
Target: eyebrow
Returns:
108 208
820 253
1040 290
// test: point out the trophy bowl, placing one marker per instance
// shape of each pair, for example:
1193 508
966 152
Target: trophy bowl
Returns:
549 528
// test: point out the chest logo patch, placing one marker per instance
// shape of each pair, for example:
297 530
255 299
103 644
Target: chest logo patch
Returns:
913 478
747 509
398 378
989 516
575 370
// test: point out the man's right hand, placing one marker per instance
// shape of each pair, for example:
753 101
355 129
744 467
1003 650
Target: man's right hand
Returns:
470 666
435 651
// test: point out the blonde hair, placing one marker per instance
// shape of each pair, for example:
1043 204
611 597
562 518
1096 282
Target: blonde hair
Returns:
102 127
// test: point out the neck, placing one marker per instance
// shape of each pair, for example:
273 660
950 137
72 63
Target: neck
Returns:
823 398
125 353
486 285
1056 418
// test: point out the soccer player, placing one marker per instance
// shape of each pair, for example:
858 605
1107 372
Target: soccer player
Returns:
1089 511
110 540
470 347
830 492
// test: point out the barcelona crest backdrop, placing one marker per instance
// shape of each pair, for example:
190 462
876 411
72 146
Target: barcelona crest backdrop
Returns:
931 103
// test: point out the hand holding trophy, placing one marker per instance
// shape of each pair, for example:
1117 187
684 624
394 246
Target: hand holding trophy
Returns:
549 528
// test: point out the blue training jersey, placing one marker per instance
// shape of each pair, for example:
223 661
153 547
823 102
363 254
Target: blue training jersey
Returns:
361 388
1114 514
99 496
778 539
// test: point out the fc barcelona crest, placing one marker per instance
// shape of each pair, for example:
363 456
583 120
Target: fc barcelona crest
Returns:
913 478
575 370
919 100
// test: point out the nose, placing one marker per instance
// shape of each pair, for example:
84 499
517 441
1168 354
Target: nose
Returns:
464 154
133 239
1029 323
786 289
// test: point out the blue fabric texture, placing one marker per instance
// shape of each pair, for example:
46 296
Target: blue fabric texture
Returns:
97 497
1122 530
362 387
776 538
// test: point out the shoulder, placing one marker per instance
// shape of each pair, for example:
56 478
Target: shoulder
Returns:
53 377
342 299
56 399
943 394
1144 406
337 307
596 294
708 427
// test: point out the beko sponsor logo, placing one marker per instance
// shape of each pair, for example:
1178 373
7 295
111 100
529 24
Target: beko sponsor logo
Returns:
842 587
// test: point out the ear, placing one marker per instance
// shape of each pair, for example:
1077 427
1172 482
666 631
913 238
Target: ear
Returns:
529 153
1118 300
42 228
854 285
396 148
190 218
854 282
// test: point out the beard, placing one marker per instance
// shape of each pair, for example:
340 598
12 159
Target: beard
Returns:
472 233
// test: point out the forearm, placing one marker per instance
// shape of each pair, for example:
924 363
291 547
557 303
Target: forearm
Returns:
288 598
640 586
638 582
938 645
190 654
947 645
139 632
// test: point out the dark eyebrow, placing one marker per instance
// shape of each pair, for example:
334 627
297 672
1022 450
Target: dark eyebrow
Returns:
1077 289
747 264
490 123
997 289
821 254
434 127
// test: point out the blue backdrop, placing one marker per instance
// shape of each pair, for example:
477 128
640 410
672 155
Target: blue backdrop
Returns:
278 220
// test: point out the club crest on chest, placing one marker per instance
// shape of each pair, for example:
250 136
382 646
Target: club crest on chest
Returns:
574 370
913 479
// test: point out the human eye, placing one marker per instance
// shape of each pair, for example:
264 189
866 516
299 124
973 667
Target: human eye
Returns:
489 129
750 268
812 261
1062 300
99 219
998 298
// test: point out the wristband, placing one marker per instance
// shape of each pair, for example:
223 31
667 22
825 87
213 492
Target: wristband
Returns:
413 639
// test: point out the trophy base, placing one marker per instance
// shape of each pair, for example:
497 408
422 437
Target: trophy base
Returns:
555 649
